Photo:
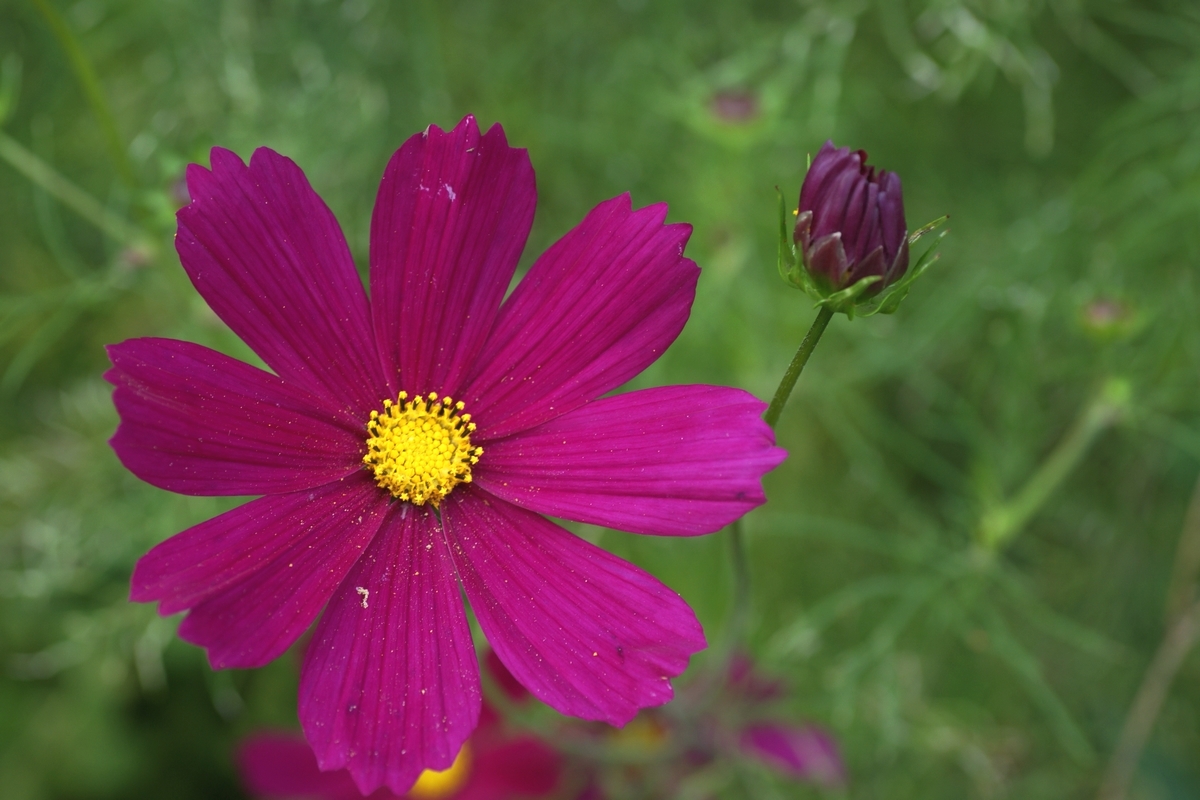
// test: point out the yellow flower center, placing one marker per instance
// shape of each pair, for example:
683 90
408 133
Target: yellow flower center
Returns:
433 784
420 448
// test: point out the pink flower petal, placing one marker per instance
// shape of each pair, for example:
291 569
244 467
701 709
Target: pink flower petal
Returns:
597 308
267 255
390 684
673 460
257 576
587 633
282 765
198 422
451 218
805 753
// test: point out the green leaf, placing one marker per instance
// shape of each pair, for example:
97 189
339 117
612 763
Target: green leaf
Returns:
1054 624
1029 671
787 250
811 623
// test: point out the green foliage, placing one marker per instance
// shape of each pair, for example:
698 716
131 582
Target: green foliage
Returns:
951 660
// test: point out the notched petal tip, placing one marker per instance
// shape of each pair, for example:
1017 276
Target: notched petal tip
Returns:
198 179
655 214
264 158
468 125
496 135
201 180
225 161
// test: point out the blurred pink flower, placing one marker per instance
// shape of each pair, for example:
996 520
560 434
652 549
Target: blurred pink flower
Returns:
804 752
280 764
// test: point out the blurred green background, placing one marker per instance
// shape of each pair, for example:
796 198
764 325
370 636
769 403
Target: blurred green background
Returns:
970 558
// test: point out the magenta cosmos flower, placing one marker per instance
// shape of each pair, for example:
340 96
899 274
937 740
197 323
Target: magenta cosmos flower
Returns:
408 445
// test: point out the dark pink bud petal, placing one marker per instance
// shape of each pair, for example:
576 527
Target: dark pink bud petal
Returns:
864 208
830 161
826 260
800 234
899 265
873 264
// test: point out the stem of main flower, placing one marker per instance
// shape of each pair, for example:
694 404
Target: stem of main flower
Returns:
741 584
797 366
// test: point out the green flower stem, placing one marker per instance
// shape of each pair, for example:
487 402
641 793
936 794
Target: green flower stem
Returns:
797 366
90 84
68 193
741 582
1002 523
740 617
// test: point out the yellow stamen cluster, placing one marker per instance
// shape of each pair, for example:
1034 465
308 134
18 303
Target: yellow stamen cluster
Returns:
420 448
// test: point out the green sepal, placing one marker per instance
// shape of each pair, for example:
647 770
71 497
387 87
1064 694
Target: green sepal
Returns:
788 260
888 300
846 300
926 228
791 265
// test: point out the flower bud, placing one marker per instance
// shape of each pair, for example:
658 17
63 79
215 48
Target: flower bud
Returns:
1108 319
850 222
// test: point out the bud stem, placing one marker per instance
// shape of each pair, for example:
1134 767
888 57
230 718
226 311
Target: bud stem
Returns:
740 615
797 366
